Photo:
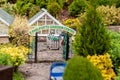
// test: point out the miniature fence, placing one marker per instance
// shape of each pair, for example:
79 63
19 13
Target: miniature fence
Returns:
53 42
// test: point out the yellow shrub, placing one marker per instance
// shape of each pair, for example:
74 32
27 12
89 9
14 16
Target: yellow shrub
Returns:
18 54
72 23
19 31
110 14
104 64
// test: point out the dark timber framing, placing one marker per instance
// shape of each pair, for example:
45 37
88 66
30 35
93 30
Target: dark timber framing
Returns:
36 40
67 48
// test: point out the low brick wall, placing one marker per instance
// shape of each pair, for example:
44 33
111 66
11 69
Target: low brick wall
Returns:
4 39
114 28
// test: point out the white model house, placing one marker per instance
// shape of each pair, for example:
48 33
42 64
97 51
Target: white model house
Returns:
5 21
44 18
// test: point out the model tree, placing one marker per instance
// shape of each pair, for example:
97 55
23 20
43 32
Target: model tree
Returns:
92 37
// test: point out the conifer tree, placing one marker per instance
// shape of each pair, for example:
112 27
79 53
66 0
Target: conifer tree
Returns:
92 37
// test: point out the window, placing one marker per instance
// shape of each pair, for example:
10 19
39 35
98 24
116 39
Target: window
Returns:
3 29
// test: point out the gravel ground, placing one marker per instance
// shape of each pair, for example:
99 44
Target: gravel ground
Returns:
36 71
50 55
41 71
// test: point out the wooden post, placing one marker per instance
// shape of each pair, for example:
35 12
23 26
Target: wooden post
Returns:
36 40
67 47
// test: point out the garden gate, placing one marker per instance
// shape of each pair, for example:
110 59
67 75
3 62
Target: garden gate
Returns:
54 38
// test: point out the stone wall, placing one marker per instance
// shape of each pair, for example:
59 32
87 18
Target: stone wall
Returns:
114 28
4 39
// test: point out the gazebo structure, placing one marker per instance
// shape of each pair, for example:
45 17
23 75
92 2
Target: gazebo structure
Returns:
5 21
45 28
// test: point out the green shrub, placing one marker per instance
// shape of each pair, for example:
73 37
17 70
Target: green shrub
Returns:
18 76
117 3
33 11
68 2
118 76
79 68
54 8
77 7
61 3
41 3
45 3
115 50
22 7
92 37
5 59
106 2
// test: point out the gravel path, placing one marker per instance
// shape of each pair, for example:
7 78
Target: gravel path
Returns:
36 71
41 71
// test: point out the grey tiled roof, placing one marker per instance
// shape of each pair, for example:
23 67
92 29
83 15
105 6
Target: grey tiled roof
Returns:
7 18
41 14
35 16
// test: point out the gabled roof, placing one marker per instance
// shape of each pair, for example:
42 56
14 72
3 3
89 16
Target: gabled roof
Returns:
41 14
5 17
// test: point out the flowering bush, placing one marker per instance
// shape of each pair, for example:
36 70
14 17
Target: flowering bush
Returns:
104 64
110 15
72 23
19 31
17 54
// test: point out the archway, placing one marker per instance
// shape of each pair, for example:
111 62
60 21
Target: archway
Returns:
37 32
64 28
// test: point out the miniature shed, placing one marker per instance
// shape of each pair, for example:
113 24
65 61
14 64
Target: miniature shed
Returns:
46 32
46 25
44 18
5 21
